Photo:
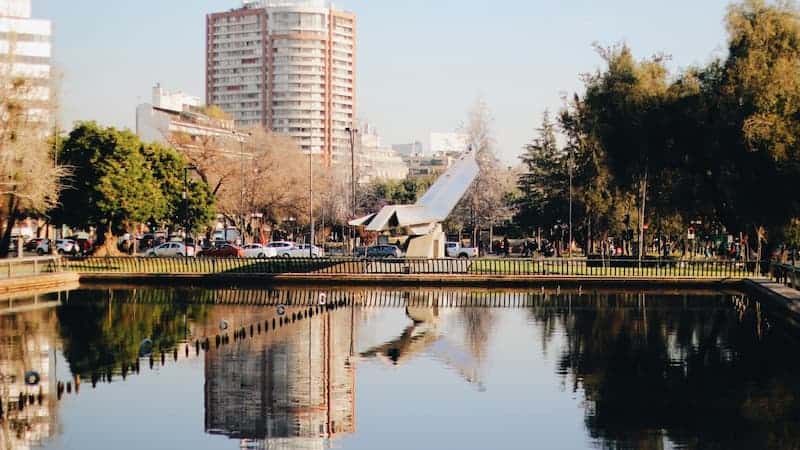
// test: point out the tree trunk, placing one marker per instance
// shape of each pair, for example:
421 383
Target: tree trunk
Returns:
106 243
8 221
642 218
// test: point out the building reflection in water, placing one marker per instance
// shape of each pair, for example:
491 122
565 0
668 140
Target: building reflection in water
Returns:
702 360
292 387
27 343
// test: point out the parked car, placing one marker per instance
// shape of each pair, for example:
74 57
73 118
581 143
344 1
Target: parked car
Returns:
83 245
259 251
33 244
171 250
305 251
229 235
63 246
223 251
282 249
384 251
455 250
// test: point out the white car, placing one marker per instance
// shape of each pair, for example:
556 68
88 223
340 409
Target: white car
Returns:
455 250
282 249
259 251
305 251
170 250
63 246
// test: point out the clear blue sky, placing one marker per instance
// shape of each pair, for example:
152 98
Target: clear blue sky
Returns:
421 63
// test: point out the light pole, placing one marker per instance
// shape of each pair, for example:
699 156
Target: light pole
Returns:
352 133
241 194
186 170
311 201
570 163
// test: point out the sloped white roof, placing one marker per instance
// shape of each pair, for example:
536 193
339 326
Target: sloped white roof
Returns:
434 207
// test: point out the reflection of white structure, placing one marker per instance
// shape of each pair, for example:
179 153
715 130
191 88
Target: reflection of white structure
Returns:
27 342
376 161
27 42
424 219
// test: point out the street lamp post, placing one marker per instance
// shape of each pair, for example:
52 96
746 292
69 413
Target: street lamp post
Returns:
570 163
241 194
352 133
311 201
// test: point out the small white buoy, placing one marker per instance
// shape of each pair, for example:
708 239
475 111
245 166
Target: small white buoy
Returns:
223 325
281 310
323 299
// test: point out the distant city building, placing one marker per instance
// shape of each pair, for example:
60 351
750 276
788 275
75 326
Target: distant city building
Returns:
375 161
179 119
26 49
413 148
420 166
289 66
448 143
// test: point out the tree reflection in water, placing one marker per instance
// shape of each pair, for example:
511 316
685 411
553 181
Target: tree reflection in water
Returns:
709 372
699 370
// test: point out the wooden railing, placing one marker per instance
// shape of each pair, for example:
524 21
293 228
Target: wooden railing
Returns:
26 267
616 268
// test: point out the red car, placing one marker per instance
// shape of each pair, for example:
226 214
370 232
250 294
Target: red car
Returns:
223 251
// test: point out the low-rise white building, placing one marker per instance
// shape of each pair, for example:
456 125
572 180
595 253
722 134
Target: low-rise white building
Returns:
176 118
450 142
376 161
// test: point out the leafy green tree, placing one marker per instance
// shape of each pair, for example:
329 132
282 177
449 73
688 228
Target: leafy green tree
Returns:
118 182
167 166
112 186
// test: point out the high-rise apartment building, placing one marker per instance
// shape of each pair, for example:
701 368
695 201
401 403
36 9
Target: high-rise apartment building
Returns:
289 66
25 50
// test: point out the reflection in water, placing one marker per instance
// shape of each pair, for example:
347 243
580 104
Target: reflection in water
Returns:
27 343
652 371
292 388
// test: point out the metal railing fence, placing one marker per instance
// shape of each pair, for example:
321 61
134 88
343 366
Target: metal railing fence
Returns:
25 267
356 266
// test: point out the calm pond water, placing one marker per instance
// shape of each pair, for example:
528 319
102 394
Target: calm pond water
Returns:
421 369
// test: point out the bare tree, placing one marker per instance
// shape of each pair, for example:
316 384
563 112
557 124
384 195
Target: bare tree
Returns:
30 176
485 204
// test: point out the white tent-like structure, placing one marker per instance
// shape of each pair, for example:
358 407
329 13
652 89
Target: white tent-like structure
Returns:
424 219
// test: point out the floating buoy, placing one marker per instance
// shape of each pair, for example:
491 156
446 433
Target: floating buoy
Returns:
32 378
223 325
323 298
281 310
145 347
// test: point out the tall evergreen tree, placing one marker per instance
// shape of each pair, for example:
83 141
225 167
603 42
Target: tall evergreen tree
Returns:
544 184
